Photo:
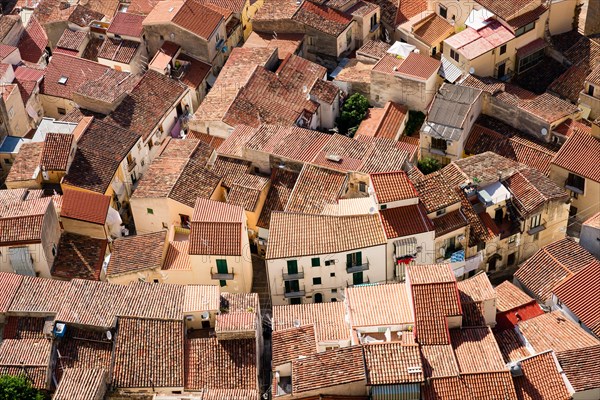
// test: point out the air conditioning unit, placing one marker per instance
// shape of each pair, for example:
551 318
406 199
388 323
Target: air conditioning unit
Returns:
189 317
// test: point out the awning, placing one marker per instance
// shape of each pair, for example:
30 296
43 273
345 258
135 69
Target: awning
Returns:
405 247
401 49
449 71
533 47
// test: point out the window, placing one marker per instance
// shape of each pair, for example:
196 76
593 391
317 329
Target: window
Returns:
373 22
332 275
315 262
443 11
222 269
292 267
531 60
317 281
525 29
434 51
318 298
440 212
576 182
333 299
511 259
357 278
348 37
329 262
502 49
383 206
63 80
333 290
162 37
61 110
362 187
535 221
439 144
310 40
7 161
149 211
472 273
296 300
139 146
155 281
354 259
480 246
54 250
590 90
454 55
185 220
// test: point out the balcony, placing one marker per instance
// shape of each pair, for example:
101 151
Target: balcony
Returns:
292 294
365 281
293 277
439 152
351 268
221 277
131 164
573 187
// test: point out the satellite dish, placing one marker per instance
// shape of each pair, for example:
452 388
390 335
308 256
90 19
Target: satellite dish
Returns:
544 131
372 210
471 70
297 323
304 89
205 315
109 335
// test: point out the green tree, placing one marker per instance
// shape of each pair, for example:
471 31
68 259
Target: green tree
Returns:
354 110
428 165
18 388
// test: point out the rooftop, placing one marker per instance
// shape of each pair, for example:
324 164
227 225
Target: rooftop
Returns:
118 50
397 12
126 24
476 350
26 166
290 344
322 18
391 363
71 40
85 206
81 384
540 375
328 319
581 367
379 305
79 256
473 43
137 253
216 228
282 184
33 41
188 14
404 221
66 73
285 43
510 297
384 122
314 188
574 155
56 153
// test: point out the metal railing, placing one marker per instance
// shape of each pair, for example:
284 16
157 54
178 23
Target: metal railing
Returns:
222 277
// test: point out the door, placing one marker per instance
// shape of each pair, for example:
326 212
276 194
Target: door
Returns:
357 278
318 298
572 211
501 70
21 261
222 269
498 215
292 286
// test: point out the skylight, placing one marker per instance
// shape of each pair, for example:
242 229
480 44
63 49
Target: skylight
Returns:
63 80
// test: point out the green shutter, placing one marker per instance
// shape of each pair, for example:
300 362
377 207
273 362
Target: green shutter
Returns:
287 287
295 286
349 260
222 267
316 262
357 278
358 258
292 267
222 283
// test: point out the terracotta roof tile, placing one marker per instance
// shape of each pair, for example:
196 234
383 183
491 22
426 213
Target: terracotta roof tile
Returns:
177 256
151 301
276 10
390 363
565 334
126 24
109 87
433 273
149 353
118 50
387 123
473 43
290 344
79 256
33 41
576 156
216 228
188 14
25 352
39 296
438 361
577 294
285 43
322 18
330 234
239 317
315 187
85 349
396 12
75 70
331 368
449 222
57 149
419 66
282 184
328 319
375 49
532 190
26 164
486 385
136 253
233 145
551 265
433 29
435 192
476 350
148 102
229 169
224 364
351 152
541 379
393 186
105 7
325 91
582 367
71 40
379 305
510 297
85 206
405 221
197 71
81 384
201 298
511 346
9 286
24 327
246 190
476 289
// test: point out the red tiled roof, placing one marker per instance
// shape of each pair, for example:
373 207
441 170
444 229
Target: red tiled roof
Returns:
577 155
419 66
26 162
379 305
577 294
582 367
188 14
285 43
81 384
335 367
551 265
510 297
393 186
85 206
322 18
449 222
438 361
328 319
472 43
216 228
290 344
118 50
76 70
79 256
554 331
483 385
148 354
510 344
71 40
435 192
540 379
126 24
476 350
509 8
84 349
57 149
282 184
532 190
33 42
315 187
390 363
9 285
325 91
136 253
38 296
396 12
388 64
32 355
196 73
24 327
220 364
434 29
405 221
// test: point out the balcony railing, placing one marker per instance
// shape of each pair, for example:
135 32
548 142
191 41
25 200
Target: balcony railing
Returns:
365 281
222 277
351 268
295 293
570 185
293 277
131 164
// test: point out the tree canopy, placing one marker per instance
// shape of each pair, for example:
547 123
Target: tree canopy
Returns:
353 112
18 388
